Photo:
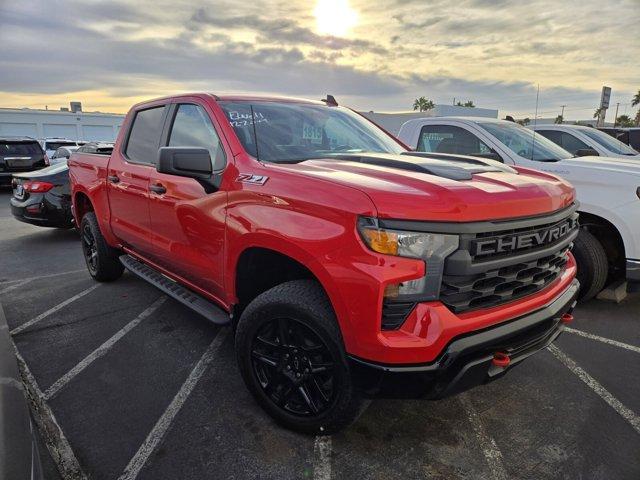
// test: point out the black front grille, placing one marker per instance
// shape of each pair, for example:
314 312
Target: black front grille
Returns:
494 287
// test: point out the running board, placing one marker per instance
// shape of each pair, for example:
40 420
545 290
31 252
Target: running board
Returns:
195 302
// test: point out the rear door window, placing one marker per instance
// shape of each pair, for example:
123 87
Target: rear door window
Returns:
29 149
192 127
450 139
144 136
572 143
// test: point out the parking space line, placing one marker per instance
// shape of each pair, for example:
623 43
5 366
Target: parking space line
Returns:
598 338
35 320
592 383
15 286
322 457
101 350
54 437
157 433
50 275
490 450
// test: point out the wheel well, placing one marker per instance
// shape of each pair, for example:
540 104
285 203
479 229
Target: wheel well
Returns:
610 239
260 269
82 205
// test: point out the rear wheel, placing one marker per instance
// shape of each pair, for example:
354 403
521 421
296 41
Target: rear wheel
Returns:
593 267
101 259
290 353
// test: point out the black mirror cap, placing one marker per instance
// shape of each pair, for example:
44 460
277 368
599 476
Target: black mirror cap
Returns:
192 162
587 152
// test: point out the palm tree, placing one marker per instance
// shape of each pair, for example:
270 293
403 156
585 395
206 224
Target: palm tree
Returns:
624 121
597 113
559 119
423 104
634 103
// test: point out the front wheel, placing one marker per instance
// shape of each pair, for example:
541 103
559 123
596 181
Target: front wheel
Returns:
101 259
291 357
593 266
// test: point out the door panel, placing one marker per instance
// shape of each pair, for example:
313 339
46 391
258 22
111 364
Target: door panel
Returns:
188 224
128 180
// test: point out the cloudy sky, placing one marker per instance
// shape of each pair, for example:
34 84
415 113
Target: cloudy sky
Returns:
373 55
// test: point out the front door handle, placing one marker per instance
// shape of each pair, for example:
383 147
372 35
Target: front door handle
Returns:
113 178
158 188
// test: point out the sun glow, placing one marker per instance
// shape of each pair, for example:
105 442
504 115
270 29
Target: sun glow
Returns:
334 17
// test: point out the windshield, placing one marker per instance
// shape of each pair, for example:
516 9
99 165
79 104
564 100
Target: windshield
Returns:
521 141
292 132
607 141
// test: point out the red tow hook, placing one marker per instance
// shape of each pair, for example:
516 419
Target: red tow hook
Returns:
501 359
566 318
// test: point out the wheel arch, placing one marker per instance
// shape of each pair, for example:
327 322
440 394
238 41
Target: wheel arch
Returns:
609 237
261 266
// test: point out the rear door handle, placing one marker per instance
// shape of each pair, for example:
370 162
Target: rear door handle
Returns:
113 178
158 188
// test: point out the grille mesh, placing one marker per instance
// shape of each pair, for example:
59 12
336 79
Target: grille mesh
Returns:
483 290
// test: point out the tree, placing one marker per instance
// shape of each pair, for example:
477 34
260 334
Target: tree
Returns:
468 103
634 103
624 121
423 104
559 119
597 113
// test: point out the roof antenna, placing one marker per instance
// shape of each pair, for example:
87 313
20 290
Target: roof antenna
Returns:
330 100
535 122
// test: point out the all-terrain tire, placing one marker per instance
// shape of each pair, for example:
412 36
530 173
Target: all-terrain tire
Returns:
101 259
305 304
593 266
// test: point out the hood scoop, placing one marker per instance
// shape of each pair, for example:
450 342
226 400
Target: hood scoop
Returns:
452 167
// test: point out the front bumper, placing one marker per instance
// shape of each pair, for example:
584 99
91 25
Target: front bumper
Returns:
633 270
467 360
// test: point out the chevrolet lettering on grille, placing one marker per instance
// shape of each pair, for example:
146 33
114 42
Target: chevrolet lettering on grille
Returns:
510 243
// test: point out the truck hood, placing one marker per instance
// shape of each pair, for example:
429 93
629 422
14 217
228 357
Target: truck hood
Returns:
628 165
431 187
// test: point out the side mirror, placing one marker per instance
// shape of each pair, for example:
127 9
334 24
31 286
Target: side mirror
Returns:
587 152
190 162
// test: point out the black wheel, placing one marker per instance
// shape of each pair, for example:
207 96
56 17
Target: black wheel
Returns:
593 267
291 356
102 260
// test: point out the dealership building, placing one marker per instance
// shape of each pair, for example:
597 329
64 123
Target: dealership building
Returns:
71 123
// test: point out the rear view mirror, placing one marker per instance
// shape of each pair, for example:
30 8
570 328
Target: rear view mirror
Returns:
587 152
190 162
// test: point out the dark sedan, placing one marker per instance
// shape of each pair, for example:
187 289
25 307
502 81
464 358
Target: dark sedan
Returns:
42 197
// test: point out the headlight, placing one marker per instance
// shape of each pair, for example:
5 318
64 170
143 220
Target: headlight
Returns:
433 248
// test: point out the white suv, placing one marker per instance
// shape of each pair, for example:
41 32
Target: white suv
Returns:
581 141
608 189
51 144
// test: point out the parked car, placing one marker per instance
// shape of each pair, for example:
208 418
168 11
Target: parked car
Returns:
100 148
62 154
350 266
627 135
51 144
19 453
608 246
586 141
19 154
42 197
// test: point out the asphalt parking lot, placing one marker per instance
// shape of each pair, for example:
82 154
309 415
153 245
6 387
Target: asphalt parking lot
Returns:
130 384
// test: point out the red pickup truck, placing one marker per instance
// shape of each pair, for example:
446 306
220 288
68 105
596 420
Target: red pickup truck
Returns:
349 266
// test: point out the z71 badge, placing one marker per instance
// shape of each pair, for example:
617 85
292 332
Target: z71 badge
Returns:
252 179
